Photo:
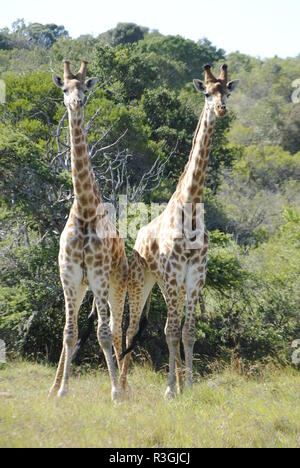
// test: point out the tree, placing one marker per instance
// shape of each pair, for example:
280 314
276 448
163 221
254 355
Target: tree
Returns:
28 187
253 196
124 33
6 42
124 69
45 35
172 125
179 60
26 36
32 104
263 104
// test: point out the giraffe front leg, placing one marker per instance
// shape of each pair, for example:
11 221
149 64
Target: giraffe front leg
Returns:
189 339
117 296
131 332
194 288
179 370
70 274
173 340
172 332
74 295
179 373
173 294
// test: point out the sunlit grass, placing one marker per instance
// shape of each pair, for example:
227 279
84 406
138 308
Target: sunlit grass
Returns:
224 410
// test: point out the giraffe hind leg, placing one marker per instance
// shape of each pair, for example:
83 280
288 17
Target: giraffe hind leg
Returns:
100 287
140 285
59 375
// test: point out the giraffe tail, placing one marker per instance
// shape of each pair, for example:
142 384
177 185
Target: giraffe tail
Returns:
86 333
143 325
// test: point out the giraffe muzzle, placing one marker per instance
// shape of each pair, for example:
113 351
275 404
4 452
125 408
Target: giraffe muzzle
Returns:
77 104
221 111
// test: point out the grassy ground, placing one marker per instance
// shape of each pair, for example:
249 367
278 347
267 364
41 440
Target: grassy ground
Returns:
225 410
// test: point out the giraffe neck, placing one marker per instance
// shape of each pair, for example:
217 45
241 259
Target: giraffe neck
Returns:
87 198
191 185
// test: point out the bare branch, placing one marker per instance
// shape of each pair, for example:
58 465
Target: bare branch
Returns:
101 150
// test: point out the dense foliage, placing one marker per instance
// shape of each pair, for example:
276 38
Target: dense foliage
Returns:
144 111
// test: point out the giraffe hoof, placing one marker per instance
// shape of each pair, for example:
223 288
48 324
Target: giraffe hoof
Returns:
126 390
129 391
170 394
52 394
62 393
116 395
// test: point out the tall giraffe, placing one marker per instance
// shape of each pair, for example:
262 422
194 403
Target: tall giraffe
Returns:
178 262
91 253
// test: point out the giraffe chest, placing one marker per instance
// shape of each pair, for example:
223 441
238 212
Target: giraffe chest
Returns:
82 244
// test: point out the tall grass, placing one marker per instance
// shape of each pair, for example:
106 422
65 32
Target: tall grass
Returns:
223 410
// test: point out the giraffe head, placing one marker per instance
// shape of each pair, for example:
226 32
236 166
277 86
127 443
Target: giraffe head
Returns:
74 87
216 90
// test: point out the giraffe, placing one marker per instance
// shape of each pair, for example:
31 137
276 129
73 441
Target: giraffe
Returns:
92 255
176 262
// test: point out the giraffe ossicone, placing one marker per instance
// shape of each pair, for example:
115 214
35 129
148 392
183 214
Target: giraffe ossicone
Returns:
92 254
165 257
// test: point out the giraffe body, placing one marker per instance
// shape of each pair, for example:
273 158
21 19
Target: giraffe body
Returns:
92 255
174 259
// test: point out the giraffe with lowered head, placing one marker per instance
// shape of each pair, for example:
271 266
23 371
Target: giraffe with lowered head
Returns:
174 259
92 255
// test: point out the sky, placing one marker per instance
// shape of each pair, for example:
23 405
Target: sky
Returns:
262 28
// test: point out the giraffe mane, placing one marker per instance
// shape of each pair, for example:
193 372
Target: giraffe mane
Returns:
192 150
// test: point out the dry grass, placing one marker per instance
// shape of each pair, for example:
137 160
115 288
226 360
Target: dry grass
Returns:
225 410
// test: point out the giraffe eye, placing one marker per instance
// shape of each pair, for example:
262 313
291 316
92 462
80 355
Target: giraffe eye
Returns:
207 95
65 90
228 95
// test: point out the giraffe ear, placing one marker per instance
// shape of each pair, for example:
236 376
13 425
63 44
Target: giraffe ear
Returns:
200 86
58 81
90 83
232 85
